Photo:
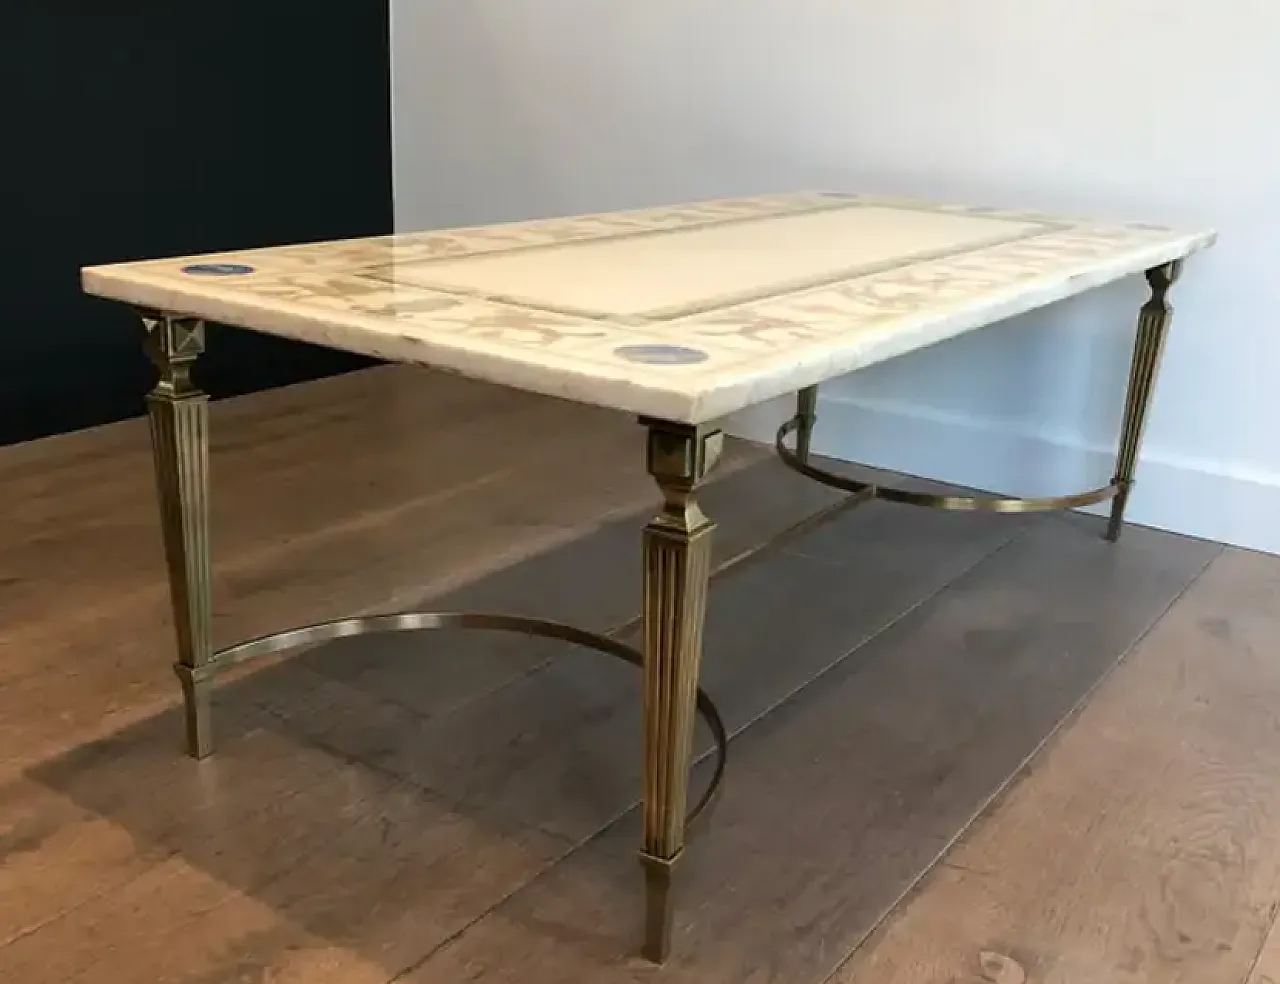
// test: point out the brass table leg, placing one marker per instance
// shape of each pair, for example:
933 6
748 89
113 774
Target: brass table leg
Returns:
1153 328
179 414
677 560
806 418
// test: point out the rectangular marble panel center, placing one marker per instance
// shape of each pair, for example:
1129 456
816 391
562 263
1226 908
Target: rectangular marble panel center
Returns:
681 272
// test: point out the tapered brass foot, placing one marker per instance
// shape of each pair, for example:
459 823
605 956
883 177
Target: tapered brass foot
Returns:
197 694
677 560
1153 329
179 414
659 910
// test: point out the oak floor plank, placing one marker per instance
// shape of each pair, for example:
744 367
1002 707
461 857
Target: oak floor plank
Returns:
272 846
55 854
1144 846
838 800
81 824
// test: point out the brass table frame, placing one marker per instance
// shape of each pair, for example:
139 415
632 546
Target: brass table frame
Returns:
676 549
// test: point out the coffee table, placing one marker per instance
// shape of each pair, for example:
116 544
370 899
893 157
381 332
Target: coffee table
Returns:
680 315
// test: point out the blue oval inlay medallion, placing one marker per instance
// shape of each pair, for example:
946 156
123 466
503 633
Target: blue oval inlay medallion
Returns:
217 269
661 355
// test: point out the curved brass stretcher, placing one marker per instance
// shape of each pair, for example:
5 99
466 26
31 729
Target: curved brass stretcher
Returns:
344 628
798 460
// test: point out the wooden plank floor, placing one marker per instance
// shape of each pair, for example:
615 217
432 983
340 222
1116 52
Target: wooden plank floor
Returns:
445 807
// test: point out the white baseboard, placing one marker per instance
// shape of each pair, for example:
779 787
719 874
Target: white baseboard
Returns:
1194 497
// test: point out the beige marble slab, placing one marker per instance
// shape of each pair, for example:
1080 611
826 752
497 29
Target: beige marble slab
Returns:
688 312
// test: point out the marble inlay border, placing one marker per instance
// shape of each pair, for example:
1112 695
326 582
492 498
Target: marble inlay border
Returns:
395 274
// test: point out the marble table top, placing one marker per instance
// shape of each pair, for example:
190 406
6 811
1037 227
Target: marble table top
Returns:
686 312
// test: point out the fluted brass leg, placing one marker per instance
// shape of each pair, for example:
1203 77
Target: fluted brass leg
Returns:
179 414
1153 328
677 560
807 416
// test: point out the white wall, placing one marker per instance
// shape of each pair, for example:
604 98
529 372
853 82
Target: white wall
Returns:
1164 110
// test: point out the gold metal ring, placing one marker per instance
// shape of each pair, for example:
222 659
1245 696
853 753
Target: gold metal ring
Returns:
423 621
957 503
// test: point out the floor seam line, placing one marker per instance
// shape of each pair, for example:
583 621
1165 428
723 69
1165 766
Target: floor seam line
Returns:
1273 912
122 884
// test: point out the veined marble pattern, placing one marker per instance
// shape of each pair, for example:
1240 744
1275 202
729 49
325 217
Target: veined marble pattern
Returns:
686 312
